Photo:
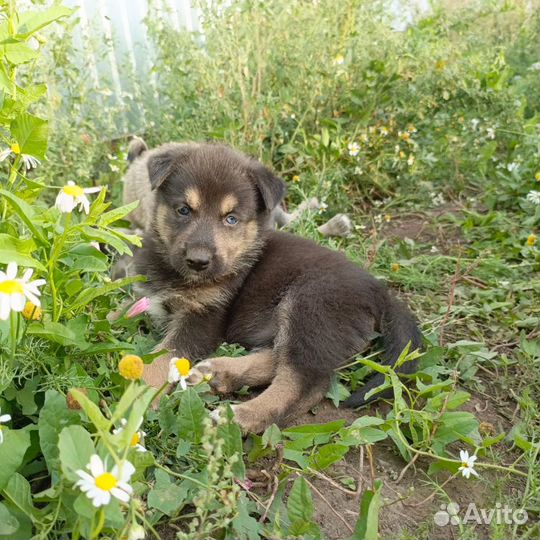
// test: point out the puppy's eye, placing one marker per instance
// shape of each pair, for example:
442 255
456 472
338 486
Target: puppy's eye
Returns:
184 210
231 220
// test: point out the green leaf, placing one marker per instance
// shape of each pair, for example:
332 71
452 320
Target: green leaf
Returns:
361 431
271 436
300 502
25 212
367 526
453 426
18 250
12 451
8 522
296 456
76 447
245 527
129 397
53 331
190 415
87 258
19 53
327 455
88 295
374 366
31 133
166 496
32 21
231 433
320 433
300 511
92 411
18 492
118 213
53 417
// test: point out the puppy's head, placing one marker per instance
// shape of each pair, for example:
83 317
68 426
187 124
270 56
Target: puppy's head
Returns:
212 204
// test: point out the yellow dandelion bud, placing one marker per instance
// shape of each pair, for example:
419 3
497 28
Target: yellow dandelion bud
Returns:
131 367
31 312
395 267
537 176
15 148
531 239
440 64
296 178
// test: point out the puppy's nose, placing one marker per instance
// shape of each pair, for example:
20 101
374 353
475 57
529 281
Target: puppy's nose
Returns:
198 261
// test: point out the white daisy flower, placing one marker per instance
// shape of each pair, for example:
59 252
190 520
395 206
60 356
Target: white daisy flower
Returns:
14 291
410 160
137 436
512 166
467 464
474 123
354 149
100 485
30 162
179 371
3 419
490 132
533 197
72 195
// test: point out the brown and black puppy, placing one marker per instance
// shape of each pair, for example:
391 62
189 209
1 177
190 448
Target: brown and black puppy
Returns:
218 272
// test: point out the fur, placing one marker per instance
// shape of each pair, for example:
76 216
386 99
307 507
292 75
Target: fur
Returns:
303 310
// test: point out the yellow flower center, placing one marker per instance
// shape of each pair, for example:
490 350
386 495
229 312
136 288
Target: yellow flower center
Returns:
183 366
73 191
136 439
32 312
11 286
106 481
531 240
464 465
394 267
15 148
131 367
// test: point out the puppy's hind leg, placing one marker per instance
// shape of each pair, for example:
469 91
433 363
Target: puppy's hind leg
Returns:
290 394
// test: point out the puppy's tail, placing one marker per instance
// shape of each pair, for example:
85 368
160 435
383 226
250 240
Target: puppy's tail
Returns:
398 328
136 147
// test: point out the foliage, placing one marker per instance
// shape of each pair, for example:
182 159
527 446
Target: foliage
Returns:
439 120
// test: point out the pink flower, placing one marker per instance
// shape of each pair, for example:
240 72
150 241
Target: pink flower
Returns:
140 306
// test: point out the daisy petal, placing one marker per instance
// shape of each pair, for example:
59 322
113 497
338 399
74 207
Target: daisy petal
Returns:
11 271
119 494
96 465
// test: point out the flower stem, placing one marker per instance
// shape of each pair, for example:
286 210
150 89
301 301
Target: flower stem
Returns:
55 253
13 326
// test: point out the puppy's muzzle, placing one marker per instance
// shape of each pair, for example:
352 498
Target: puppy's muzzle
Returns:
199 258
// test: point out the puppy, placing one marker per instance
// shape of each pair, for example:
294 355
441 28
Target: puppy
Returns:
217 271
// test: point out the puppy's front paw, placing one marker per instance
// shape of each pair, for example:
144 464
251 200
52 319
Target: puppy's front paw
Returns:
220 374
249 419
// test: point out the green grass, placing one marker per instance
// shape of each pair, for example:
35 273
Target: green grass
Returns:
461 86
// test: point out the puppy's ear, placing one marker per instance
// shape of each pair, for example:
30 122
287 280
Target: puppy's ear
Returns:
271 188
164 161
